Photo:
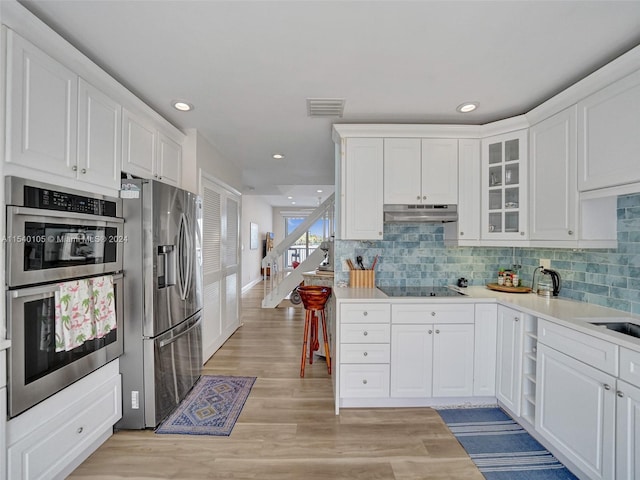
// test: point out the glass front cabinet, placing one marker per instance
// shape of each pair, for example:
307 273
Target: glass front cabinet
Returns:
504 184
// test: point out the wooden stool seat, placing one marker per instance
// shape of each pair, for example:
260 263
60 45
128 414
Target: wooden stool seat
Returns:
314 299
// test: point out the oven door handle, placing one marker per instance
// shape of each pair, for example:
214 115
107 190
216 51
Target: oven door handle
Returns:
36 212
44 289
164 343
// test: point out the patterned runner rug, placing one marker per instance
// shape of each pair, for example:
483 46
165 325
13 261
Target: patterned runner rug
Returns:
501 448
210 408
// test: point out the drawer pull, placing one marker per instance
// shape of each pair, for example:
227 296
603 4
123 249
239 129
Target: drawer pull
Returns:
364 382
607 386
516 319
620 394
430 332
365 313
80 430
365 354
437 331
433 314
365 333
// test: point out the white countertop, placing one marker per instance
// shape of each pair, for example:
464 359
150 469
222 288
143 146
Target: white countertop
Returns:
4 344
569 313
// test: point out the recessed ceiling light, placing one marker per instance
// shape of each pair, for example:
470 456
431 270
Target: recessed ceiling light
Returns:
290 197
467 107
293 203
278 156
319 191
182 106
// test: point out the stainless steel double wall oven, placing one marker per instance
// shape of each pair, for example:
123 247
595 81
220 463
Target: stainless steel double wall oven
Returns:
54 235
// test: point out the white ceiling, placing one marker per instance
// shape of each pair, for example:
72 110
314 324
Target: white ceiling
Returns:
249 66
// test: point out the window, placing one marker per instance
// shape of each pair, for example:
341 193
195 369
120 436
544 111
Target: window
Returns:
308 242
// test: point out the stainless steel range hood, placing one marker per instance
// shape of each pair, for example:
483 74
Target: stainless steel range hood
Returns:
421 213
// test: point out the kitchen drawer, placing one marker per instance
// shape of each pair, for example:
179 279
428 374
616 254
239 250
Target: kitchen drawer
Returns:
593 351
364 381
365 333
49 449
365 313
433 313
365 353
630 366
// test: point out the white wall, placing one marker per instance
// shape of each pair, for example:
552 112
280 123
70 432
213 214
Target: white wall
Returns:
255 210
199 153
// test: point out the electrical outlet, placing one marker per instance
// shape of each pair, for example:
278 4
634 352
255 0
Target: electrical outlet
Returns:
135 404
545 262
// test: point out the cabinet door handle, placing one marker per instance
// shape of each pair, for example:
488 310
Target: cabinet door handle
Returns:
433 314
516 319
418 197
74 168
380 234
365 354
365 333
365 313
430 332
522 233
607 386
84 170
620 394
437 331
570 232
80 430
424 198
461 233
364 382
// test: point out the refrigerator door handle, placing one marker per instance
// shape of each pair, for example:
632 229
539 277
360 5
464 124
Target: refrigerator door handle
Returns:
189 244
182 256
169 341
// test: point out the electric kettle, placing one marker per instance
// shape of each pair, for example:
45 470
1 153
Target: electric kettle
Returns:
548 282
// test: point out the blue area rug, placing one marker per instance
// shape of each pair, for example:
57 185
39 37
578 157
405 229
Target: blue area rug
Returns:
210 408
501 448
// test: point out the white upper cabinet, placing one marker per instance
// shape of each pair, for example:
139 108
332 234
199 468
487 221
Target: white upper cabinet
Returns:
504 186
98 137
402 171
42 110
608 140
139 143
554 193
420 171
169 160
147 152
362 192
439 171
466 231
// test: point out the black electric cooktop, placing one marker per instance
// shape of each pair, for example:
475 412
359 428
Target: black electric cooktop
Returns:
420 292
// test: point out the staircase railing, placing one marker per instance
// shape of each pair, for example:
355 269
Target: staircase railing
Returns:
276 287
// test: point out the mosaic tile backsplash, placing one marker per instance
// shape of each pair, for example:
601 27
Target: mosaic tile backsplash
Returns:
415 254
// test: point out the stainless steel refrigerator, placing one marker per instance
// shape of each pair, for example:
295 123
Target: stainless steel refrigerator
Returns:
162 268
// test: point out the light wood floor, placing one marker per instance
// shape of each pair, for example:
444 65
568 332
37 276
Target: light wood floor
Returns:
287 429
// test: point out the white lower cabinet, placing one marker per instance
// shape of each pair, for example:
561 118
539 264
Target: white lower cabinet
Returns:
576 412
363 356
509 358
432 359
54 437
485 349
411 360
627 431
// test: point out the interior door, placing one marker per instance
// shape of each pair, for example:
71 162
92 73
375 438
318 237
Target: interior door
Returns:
221 265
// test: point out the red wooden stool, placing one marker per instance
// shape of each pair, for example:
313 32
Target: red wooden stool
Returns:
314 299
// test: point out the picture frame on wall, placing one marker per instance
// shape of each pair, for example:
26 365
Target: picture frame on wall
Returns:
253 236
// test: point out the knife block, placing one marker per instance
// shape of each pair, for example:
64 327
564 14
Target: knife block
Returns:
362 278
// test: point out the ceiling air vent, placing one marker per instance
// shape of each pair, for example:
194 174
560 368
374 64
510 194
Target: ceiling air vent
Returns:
325 107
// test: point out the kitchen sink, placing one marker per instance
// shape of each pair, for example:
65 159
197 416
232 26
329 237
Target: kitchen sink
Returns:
627 328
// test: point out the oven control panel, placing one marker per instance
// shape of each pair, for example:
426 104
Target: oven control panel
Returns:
54 200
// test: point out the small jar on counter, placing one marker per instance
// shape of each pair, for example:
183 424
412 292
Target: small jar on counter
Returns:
501 277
